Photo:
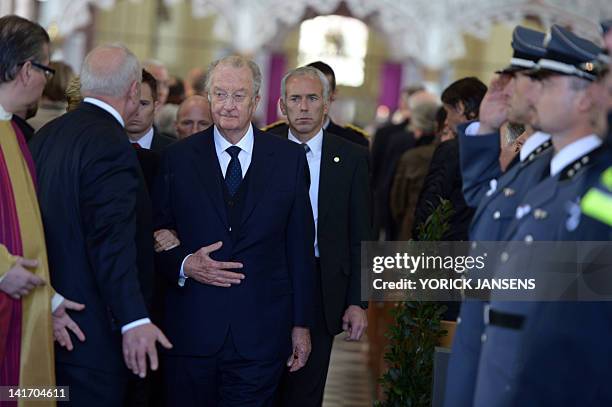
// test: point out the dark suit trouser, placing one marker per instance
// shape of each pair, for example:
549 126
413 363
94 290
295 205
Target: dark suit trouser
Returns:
89 387
147 392
137 393
225 379
305 387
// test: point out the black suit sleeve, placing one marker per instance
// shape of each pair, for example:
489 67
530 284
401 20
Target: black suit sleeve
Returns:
438 182
108 189
360 226
149 164
168 262
377 156
300 248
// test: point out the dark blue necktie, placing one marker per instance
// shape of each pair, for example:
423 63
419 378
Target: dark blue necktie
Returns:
306 151
233 175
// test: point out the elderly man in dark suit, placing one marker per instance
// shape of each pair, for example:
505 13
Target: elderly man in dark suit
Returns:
239 300
90 188
340 199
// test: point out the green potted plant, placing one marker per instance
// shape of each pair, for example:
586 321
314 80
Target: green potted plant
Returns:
415 335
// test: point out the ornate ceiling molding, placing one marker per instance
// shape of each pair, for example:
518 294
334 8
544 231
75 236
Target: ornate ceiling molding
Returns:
427 30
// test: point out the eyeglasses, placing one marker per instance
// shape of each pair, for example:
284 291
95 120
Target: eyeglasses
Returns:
48 71
221 96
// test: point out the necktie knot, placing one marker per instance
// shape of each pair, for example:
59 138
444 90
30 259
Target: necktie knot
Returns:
306 148
233 151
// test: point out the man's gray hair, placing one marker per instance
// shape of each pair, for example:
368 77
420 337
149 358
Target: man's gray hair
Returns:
513 131
235 61
112 76
306 71
152 62
424 117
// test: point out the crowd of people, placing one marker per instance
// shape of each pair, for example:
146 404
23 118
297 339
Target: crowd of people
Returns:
242 245
139 216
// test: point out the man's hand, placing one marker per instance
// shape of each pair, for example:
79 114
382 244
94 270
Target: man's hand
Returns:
18 281
494 105
205 270
301 348
165 239
354 322
62 323
139 342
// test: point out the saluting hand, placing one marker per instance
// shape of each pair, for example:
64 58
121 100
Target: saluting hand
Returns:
494 106
205 270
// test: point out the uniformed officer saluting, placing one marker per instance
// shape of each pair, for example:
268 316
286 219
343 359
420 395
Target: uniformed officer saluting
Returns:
554 353
496 196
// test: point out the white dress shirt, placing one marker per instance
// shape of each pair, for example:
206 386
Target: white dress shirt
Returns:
532 143
117 116
472 129
146 140
4 115
246 150
107 107
326 122
244 156
572 152
314 165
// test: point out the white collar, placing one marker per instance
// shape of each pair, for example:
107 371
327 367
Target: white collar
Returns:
146 140
107 107
245 143
532 143
315 144
326 122
573 151
4 115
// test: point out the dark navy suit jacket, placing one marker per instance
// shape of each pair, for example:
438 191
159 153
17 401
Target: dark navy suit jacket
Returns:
274 243
97 218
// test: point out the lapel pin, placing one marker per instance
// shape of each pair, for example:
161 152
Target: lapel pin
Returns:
336 159
508 191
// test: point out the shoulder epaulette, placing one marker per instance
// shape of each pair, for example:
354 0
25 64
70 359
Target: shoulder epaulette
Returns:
274 124
357 129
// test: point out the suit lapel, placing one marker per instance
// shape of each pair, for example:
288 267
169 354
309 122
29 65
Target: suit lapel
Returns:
206 163
331 159
154 140
259 173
